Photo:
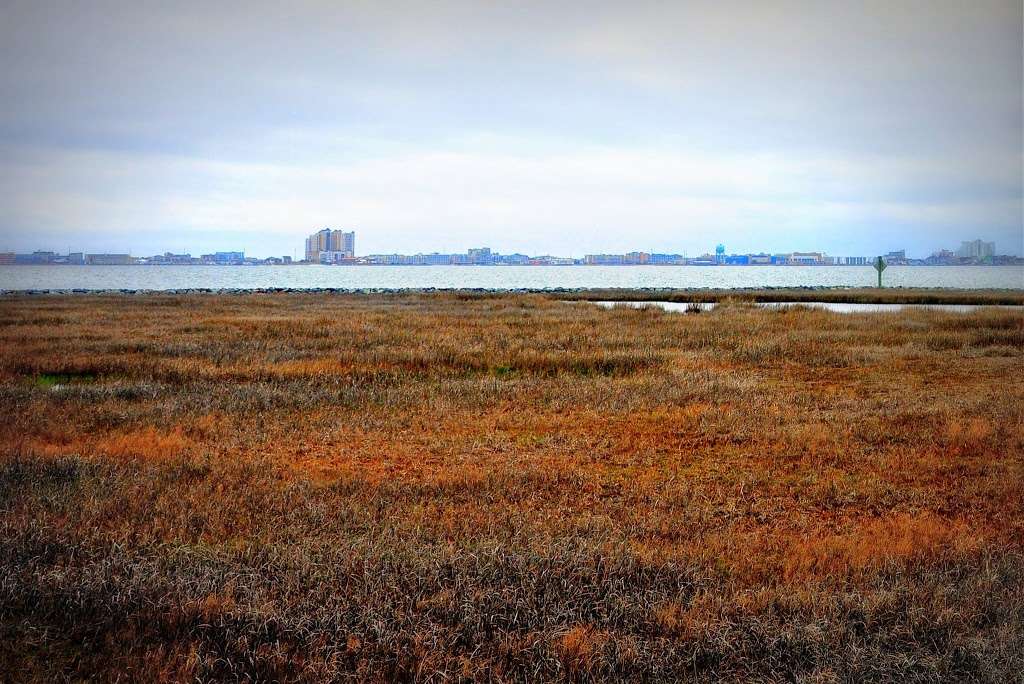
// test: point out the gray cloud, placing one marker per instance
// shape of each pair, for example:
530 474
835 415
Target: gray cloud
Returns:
769 124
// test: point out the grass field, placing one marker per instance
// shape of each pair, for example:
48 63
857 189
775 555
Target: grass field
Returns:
412 487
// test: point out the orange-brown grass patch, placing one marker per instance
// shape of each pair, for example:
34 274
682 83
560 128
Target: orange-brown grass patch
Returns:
896 539
579 649
146 443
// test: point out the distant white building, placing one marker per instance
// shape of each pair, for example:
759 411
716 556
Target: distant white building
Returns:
976 249
806 259
333 256
898 256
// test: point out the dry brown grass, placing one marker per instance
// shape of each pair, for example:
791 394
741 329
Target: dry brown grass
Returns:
412 487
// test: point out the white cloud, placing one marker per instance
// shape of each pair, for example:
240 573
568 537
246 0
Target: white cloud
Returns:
504 193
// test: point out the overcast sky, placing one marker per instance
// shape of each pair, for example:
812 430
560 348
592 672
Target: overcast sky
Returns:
564 128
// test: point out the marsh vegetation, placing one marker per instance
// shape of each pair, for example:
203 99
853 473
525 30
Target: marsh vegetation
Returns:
411 487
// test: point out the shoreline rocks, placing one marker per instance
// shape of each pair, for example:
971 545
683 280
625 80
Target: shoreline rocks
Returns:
766 294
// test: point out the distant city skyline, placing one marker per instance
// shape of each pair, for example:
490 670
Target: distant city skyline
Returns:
301 252
337 247
852 128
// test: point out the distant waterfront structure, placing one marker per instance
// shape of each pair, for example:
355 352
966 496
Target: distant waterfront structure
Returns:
807 259
476 256
109 259
328 240
37 257
171 259
976 249
605 259
228 258
895 257
332 256
316 243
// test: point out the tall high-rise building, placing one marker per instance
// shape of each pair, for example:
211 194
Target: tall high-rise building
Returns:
316 243
328 240
976 249
343 242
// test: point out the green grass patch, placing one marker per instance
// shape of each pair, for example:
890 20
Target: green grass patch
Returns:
48 380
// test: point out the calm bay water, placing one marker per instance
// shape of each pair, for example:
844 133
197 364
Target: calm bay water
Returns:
837 307
498 277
